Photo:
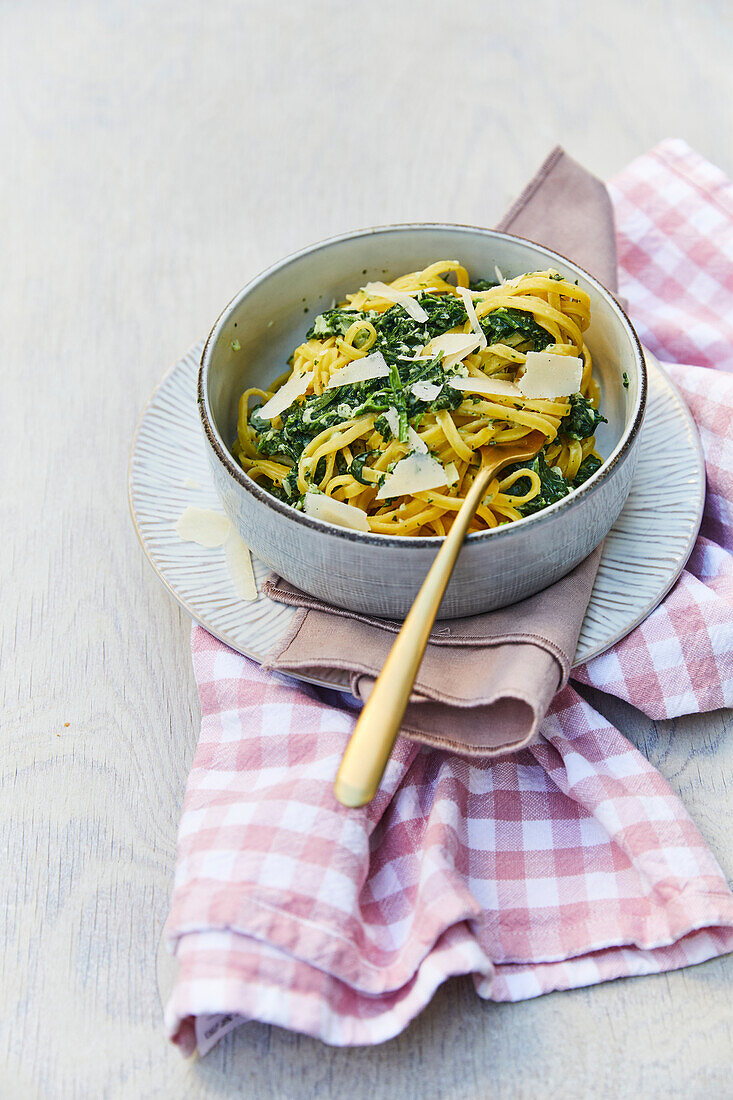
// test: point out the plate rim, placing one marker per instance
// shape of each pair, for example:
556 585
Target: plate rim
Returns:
612 640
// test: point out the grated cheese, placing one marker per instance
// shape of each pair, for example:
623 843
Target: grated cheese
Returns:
326 508
359 370
465 295
414 474
294 387
399 297
550 376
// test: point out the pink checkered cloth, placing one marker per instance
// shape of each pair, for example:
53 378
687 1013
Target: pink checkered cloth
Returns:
568 863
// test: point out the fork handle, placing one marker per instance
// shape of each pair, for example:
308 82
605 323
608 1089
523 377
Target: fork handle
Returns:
379 723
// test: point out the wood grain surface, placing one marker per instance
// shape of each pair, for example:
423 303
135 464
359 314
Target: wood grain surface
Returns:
154 156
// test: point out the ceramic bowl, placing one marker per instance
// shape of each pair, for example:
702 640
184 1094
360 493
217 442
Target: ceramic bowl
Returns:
381 574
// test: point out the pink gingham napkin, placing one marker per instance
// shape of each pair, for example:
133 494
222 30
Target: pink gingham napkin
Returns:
568 863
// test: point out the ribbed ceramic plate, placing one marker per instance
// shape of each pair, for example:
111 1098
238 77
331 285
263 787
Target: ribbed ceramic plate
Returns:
643 555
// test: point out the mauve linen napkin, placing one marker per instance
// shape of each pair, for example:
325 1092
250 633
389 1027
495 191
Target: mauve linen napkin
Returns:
485 682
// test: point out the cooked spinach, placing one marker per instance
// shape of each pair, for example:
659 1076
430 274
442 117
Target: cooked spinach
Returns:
502 323
356 469
582 420
553 485
586 469
334 322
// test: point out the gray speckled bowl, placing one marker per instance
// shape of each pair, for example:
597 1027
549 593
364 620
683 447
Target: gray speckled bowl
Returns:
380 574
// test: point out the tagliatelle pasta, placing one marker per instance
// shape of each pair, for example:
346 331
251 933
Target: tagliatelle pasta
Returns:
401 434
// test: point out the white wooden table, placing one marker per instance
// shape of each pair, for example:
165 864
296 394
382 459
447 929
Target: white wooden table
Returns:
154 156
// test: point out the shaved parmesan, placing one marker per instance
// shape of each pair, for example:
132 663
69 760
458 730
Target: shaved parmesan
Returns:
454 345
359 370
414 474
239 564
451 472
399 297
189 483
467 300
393 419
499 277
204 527
487 387
415 441
294 387
329 510
419 355
549 376
425 391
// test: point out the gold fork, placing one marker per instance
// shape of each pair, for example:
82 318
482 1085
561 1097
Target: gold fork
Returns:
379 723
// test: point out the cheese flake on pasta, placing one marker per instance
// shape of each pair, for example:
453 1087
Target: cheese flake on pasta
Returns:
425 391
359 370
326 508
294 387
467 299
454 345
487 387
549 376
415 474
393 419
415 441
399 297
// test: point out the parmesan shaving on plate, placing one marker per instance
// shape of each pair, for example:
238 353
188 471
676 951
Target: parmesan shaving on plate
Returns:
414 474
239 564
488 387
425 391
466 298
320 506
359 370
399 297
202 526
189 483
294 387
454 345
549 376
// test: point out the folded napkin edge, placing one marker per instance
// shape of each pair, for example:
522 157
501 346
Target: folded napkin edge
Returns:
357 670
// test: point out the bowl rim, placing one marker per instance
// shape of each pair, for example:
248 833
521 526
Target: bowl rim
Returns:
372 538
